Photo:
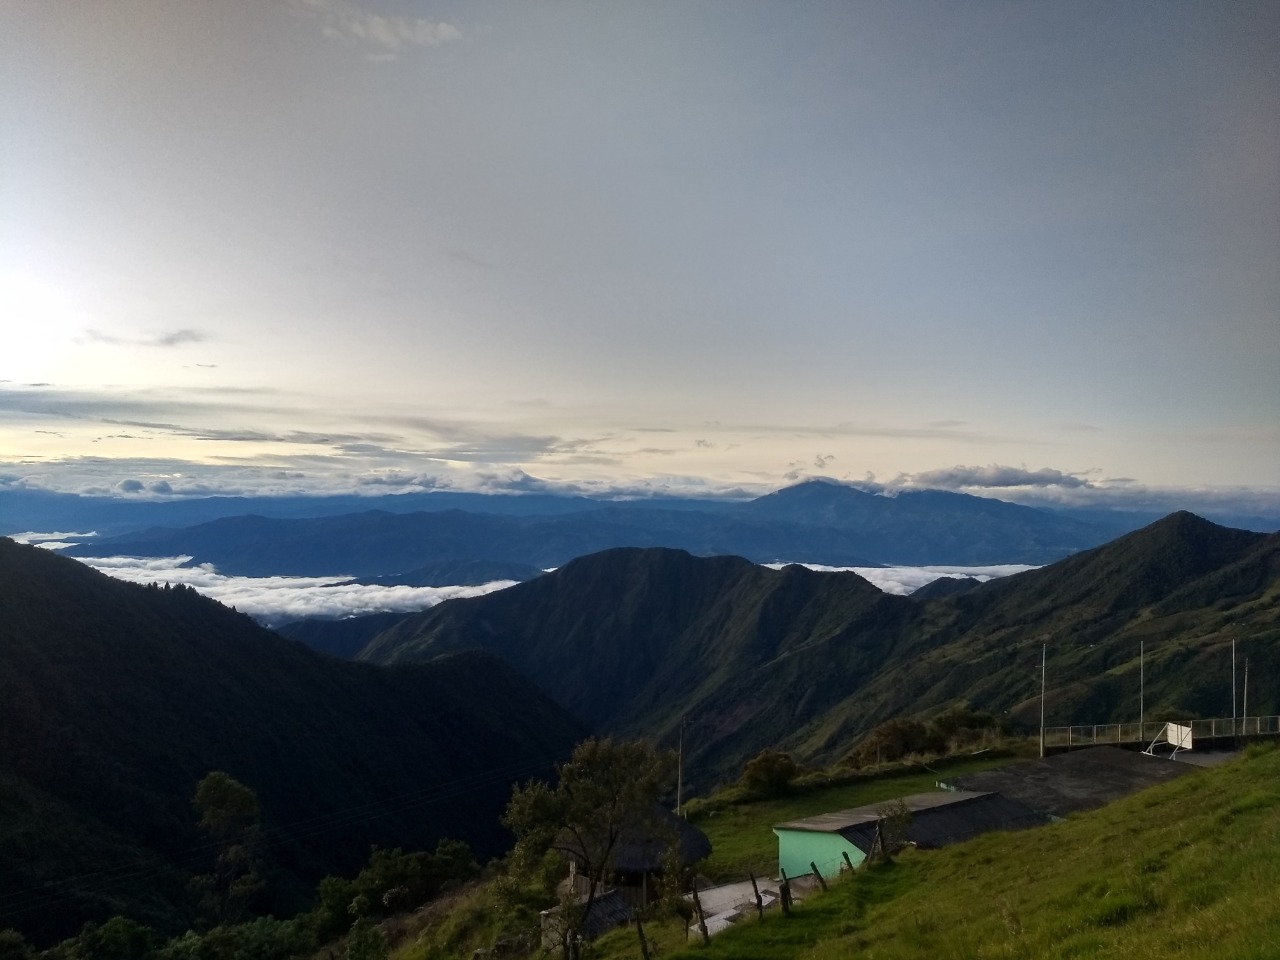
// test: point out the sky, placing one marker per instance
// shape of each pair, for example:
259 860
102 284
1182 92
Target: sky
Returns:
1027 250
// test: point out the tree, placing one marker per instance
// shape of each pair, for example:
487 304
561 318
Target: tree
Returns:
13 946
769 773
894 740
229 814
366 941
607 792
118 939
891 829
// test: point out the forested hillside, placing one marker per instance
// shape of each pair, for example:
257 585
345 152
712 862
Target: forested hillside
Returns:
634 640
116 700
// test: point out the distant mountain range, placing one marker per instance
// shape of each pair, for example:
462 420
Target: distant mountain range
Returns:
814 522
633 640
116 699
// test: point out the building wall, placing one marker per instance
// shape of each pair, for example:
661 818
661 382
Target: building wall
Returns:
796 848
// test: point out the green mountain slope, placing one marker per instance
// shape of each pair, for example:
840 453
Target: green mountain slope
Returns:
1182 587
631 640
116 699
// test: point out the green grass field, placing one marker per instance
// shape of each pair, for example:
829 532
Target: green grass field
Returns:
1189 869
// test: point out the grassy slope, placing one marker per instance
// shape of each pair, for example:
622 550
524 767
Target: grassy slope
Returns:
1186 869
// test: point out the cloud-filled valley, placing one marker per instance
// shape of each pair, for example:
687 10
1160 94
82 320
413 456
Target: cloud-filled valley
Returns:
274 600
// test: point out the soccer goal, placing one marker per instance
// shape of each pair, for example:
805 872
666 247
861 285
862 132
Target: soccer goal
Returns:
1177 735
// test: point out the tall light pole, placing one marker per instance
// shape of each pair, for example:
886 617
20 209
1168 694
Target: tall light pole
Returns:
1142 690
1044 647
680 768
1245 711
1233 686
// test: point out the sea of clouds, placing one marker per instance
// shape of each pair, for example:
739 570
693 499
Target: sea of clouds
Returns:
272 600
905 580
276 600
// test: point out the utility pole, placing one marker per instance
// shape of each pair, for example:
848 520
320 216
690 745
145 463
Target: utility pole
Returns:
1233 686
1142 690
1044 647
1246 696
680 768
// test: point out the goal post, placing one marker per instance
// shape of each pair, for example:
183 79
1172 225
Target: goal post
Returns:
1177 735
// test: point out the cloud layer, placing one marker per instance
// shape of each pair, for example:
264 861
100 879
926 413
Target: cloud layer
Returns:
906 580
280 599
346 21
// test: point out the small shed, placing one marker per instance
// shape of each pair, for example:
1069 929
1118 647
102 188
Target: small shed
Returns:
937 820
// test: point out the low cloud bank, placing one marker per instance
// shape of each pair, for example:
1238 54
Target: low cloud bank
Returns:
276 600
51 541
996 476
905 580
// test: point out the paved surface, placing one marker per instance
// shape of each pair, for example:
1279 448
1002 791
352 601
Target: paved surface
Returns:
1071 782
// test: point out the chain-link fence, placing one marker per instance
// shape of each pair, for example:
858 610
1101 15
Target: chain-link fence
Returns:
1103 733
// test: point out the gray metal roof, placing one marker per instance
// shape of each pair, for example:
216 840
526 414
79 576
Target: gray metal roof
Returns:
610 910
871 812
939 825
1071 782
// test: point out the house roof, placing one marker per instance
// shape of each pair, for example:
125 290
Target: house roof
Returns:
937 819
1070 782
610 910
944 824
871 812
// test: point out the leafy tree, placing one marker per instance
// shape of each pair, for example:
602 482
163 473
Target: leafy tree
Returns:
769 773
230 815
606 791
118 939
13 946
391 882
894 740
895 818
366 941
263 938
959 723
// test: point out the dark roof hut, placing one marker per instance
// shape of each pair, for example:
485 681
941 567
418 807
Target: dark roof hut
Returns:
639 852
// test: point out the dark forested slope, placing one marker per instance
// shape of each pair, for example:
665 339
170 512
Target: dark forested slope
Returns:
116 699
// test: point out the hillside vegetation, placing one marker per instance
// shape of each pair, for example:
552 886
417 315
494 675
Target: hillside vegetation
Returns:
634 640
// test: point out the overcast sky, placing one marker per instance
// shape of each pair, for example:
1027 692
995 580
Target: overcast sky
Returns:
296 245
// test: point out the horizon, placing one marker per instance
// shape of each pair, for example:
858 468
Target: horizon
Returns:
1254 509
390 246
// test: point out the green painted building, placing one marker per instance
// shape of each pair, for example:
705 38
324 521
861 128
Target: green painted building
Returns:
936 820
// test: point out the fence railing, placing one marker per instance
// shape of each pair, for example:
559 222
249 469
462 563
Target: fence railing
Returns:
1103 733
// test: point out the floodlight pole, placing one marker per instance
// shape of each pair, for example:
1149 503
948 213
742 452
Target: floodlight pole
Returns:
1246 696
680 769
1233 686
1044 647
